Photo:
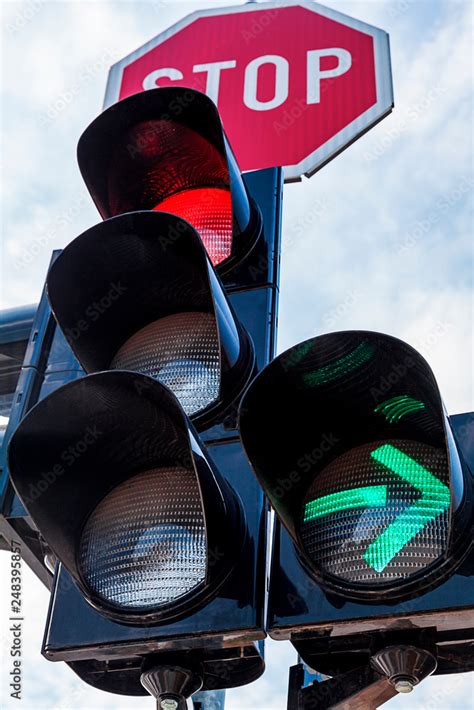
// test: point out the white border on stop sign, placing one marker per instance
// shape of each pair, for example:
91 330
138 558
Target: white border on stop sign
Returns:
341 140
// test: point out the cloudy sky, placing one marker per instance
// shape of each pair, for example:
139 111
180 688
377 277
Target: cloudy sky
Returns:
380 239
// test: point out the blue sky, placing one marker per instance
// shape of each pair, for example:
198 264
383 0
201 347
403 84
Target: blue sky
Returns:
380 239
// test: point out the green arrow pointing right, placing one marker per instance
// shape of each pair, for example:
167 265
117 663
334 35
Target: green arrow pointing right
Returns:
435 499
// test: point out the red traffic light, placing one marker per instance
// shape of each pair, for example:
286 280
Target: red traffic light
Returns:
165 149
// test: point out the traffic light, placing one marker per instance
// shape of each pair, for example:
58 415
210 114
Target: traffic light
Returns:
134 509
125 450
348 437
129 297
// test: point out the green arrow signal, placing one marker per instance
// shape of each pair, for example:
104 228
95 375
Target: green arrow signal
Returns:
369 496
435 499
396 408
357 357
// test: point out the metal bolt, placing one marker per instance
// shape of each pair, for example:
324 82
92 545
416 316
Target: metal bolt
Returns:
169 704
403 685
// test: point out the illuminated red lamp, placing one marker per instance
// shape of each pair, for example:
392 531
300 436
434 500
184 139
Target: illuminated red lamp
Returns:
209 210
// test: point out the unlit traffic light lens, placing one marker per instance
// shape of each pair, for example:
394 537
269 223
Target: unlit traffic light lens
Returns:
145 544
378 513
182 352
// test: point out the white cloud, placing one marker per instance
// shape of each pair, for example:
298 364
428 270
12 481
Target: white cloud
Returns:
407 183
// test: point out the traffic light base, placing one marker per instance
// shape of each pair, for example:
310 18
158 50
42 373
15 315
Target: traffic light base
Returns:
170 684
404 666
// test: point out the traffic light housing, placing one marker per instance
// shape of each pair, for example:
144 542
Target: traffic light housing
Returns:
348 437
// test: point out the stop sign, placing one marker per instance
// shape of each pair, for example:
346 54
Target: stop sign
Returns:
294 82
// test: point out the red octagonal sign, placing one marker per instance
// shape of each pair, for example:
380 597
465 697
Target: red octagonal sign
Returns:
294 82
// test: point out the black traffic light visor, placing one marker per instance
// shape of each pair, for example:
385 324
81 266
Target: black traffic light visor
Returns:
166 149
103 432
130 271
